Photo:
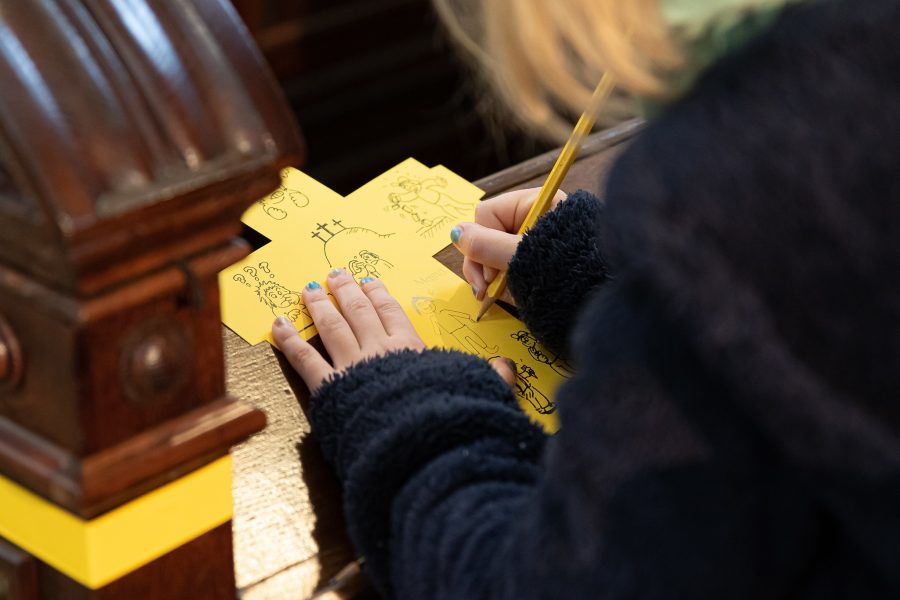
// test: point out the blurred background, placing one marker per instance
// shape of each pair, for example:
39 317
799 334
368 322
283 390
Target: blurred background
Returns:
372 82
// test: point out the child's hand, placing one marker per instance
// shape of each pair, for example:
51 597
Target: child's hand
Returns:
369 323
489 243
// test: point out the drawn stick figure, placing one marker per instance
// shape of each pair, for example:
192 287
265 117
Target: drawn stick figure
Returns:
456 324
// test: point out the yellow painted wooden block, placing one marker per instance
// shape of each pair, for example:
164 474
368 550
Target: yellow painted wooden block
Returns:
98 551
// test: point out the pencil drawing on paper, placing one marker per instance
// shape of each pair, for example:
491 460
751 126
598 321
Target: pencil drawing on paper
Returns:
356 248
431 191
541 354
426 225
526 379
282 301
455 324
274 204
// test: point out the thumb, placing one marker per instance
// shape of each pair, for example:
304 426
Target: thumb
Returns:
506 369
490 247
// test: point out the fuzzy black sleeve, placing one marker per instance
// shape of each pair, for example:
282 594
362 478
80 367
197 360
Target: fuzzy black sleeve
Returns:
556 267
413 435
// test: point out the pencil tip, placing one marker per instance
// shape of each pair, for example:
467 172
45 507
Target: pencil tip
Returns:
485 305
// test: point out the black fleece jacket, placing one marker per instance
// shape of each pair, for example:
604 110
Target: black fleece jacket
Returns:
734 315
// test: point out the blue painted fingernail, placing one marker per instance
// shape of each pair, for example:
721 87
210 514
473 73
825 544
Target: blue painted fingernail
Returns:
366 279
313 285
474 291
335 272
454 235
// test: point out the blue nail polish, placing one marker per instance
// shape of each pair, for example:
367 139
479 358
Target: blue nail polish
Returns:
313 285
366 279
454 235
474 291
335 272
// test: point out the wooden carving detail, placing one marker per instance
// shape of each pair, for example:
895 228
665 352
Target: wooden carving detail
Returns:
133 134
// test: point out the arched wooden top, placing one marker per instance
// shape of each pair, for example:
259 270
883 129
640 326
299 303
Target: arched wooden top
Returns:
129 128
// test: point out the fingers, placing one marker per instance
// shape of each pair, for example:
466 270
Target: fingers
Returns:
490 273
336 334
474 274
490 247
356 307
506 369
390 313
506 212
305 359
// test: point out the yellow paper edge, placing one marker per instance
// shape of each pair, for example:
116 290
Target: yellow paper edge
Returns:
98 551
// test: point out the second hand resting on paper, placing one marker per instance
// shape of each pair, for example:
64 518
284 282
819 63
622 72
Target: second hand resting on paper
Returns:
367 322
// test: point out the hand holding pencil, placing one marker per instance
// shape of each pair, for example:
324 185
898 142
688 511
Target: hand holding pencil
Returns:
489 242
493 248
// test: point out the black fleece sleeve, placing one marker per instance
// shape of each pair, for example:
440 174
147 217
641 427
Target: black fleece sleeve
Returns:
415 434
451 493
555 268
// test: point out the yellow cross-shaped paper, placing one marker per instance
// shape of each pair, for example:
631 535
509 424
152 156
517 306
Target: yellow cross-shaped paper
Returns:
389 228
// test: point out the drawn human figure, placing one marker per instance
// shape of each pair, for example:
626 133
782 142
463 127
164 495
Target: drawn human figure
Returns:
367 264
455 323
428 222
270 202
430 191
541 354
282 301
525 388
353 248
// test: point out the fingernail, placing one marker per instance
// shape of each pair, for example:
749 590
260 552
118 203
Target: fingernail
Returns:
313 285
282 322
454 235
474 291
335 272
366 279
511 364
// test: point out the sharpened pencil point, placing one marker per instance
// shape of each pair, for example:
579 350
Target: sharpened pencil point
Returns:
485 306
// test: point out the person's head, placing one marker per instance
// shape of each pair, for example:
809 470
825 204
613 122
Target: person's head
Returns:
545 57
276 295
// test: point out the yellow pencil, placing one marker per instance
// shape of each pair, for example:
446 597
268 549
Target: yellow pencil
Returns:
554 180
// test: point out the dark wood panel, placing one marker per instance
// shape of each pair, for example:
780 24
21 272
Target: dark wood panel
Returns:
18 573
372 82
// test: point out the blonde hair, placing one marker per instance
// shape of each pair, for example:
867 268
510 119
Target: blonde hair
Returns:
544 57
